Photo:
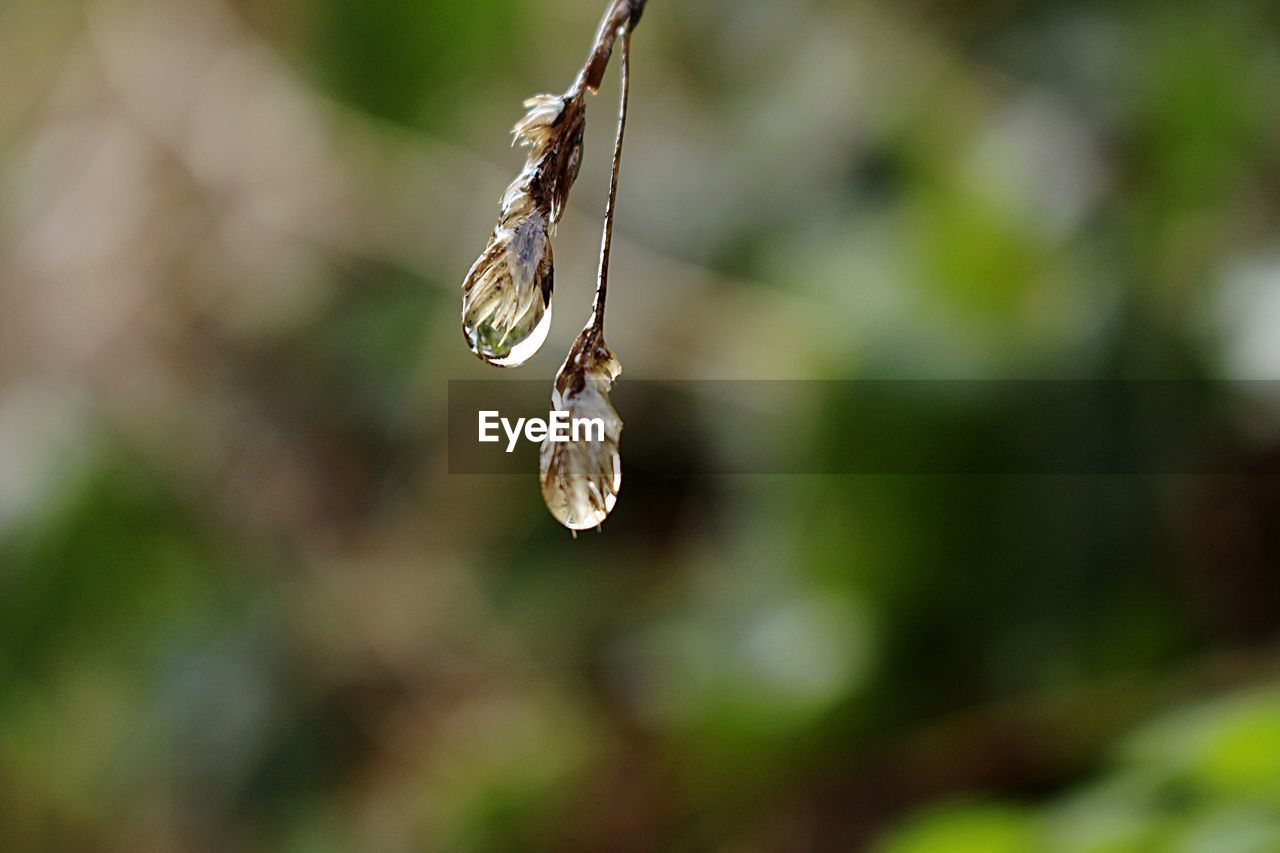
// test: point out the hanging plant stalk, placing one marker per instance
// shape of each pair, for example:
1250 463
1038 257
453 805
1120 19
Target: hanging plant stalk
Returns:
507 294
506 305
581 480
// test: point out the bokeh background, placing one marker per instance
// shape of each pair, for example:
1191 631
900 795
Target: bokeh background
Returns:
244 605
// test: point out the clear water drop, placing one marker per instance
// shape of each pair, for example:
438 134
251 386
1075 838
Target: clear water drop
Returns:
512 344
581 479
506 304
581 503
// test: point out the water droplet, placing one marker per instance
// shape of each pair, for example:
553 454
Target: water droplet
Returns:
506 306
581 478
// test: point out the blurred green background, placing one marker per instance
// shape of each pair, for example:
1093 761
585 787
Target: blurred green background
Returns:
243 604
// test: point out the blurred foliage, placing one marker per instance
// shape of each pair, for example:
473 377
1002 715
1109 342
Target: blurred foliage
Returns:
245 605
425 48
1207 778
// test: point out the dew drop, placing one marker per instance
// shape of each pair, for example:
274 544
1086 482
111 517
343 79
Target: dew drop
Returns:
509 345
581 479
583 501
506 306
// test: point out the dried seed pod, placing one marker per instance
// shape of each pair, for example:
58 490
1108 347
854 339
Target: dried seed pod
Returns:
506 310
506 306
552 130
581 478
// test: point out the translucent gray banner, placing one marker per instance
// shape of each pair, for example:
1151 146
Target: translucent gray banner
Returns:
897 427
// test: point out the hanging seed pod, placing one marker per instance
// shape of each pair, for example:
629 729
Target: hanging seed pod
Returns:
581 478
506 304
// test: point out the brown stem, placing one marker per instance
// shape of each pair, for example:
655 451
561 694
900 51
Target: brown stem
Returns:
621 15
606 241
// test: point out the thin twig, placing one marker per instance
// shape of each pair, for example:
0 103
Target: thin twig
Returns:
621 15
606 241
